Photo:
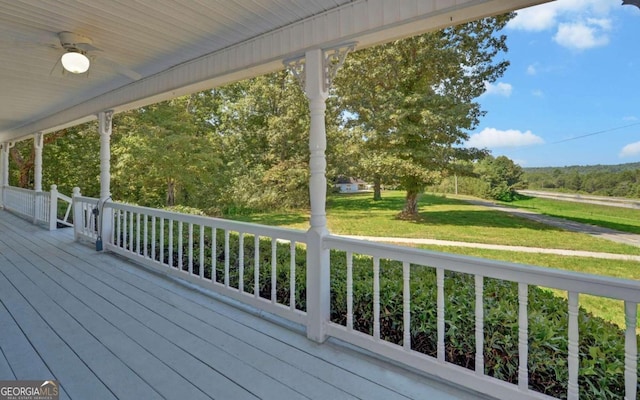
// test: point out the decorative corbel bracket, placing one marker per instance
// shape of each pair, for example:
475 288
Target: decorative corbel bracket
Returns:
333 58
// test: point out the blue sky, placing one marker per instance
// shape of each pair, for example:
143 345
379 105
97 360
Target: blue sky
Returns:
572 93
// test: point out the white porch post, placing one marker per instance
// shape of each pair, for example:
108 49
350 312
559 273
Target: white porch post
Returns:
37 180
104 126
5 163
318 279
37 162
315 72
4 166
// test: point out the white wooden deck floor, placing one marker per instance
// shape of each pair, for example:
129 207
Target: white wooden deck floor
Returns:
108 329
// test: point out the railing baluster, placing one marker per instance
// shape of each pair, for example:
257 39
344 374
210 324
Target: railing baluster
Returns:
201 269
292 276
214 254
180 245
241 262
153 238
190 265
440 313
138 233
226 258
161 240
131 249
630 351
145 240
256 267
170 260
479 282
349 290
376 298
523 336
574 361
406 305
124 229
274 265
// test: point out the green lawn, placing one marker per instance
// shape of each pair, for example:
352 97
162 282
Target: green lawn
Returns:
454 219
442 218
619 218
611 310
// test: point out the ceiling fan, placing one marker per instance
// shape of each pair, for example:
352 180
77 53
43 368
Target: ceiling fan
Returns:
77 56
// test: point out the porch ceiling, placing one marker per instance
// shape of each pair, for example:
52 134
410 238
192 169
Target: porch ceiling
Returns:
181 47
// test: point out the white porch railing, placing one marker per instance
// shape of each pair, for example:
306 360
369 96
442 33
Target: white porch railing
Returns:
408 260
37 206
242 261
248 262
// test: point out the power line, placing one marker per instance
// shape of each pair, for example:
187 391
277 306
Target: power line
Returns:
596 133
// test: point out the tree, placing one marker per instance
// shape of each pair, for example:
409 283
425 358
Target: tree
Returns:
502 176
162 155
414 99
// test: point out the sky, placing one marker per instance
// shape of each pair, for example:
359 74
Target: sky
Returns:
571 95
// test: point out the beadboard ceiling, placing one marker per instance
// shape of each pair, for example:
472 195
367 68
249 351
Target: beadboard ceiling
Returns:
150 50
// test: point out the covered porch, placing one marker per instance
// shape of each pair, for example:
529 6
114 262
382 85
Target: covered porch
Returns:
105 328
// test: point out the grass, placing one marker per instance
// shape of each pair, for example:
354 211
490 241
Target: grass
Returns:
454 219
442 218
609 309
618 218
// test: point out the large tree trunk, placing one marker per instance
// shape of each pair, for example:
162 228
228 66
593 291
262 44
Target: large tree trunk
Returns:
376 188
171 193
25 166
410 210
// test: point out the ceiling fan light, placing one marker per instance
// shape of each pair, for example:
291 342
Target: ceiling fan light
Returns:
75 62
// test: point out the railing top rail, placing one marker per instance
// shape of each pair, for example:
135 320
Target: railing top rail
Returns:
547 277
244 227
17 189
64 197
87 199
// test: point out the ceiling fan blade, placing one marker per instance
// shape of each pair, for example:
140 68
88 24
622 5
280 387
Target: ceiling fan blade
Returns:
131 74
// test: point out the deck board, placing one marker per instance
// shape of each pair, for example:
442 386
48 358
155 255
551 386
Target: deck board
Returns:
106 328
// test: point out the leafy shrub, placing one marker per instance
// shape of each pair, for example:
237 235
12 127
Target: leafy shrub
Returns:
601 344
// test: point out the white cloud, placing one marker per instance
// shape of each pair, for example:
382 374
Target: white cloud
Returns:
537 93
630 150
578 24
532 70
581 36
494 138
500 89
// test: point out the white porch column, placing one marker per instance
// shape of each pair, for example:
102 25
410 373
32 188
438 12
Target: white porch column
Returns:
37 162
105 218
104 126
315 71
318 279
2 169
5 164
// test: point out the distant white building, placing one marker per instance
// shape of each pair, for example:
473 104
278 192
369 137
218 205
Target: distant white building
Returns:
350 185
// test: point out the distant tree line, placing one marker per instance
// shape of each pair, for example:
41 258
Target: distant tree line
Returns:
605 180
397 114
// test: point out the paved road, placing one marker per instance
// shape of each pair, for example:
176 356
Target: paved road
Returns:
579 198
597 231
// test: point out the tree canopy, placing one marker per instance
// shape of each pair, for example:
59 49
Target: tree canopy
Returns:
414 101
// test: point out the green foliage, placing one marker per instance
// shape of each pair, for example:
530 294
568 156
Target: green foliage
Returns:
502 177
413 100
605 180
601 343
